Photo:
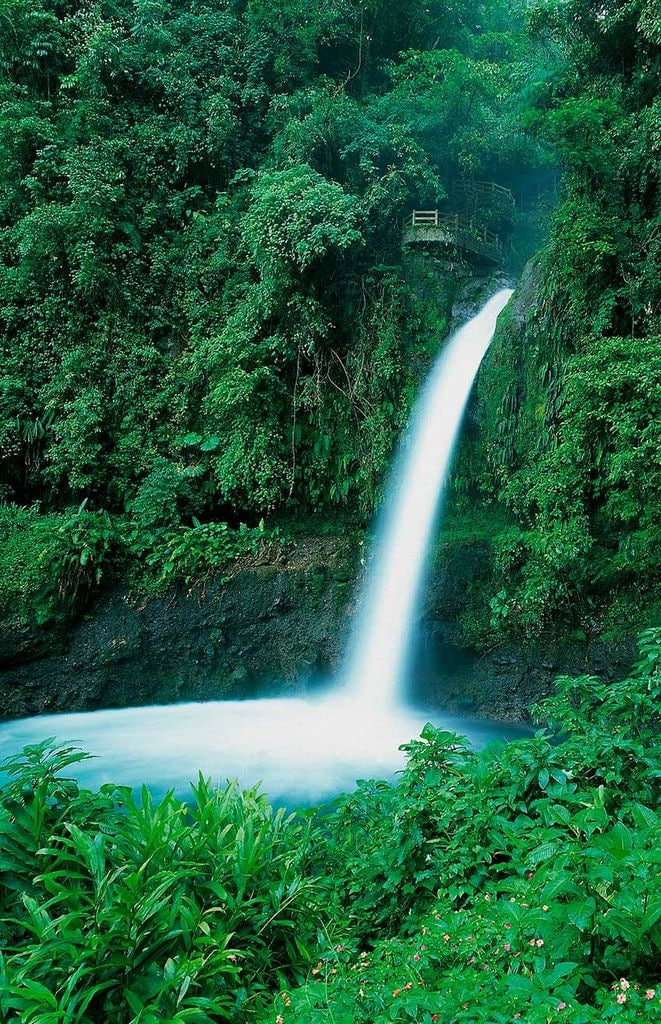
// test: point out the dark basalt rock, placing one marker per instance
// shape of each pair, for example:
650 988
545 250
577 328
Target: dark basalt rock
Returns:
503 684
282 623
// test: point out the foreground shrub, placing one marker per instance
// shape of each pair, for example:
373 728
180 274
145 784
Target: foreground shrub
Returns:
118 910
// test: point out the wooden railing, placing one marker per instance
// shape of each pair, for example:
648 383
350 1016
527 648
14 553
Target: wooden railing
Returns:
444 228
423 217
481 189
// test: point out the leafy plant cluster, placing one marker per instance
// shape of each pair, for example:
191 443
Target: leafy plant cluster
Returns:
515 883
121 908
51 564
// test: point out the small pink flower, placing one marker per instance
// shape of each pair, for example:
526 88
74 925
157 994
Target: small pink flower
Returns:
507 947
650 993
417 956
621 998
539 943
339 949
507 924
624 984
279 1019
562 1006
446 938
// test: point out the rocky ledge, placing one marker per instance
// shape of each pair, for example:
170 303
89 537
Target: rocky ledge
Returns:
279 619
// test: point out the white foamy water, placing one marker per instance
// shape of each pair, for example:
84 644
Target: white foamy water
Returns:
306 750
379 655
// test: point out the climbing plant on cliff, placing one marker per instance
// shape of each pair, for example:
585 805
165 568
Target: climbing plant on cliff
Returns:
571 399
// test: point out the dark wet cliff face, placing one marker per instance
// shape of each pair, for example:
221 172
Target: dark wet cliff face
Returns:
281 620
282 623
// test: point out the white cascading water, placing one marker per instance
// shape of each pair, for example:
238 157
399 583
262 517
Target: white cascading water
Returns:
378 663
306 750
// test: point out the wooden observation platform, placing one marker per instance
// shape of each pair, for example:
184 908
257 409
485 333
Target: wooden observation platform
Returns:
451 230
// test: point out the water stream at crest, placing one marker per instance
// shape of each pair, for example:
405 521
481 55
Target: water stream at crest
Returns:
306 750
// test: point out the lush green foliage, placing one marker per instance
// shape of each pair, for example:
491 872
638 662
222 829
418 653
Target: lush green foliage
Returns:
49 564
520 882
203 311
571 401
198 206
123 909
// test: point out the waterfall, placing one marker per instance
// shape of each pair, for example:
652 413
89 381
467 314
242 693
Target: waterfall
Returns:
380 649
305 750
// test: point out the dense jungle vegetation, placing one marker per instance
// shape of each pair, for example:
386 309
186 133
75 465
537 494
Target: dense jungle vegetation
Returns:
572 404
209 331
205 315
519 883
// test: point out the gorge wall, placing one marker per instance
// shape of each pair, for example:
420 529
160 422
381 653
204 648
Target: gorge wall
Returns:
281 621
282 617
